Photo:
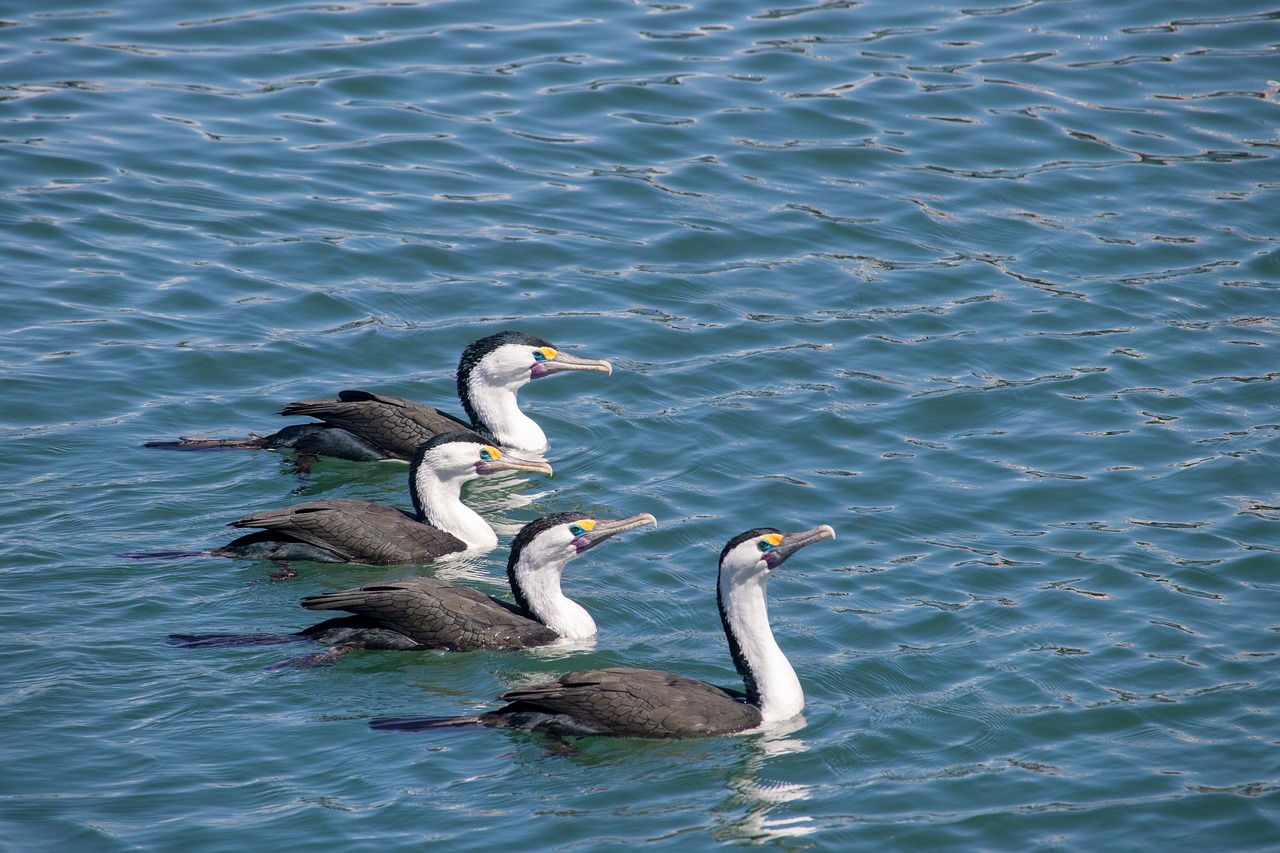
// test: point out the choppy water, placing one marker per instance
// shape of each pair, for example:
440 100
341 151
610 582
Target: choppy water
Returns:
992 290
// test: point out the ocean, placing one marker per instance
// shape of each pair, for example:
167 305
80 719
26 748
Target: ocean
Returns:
991 290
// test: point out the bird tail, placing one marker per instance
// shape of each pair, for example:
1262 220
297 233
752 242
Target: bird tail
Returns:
419 724
253 442
161 555
224 641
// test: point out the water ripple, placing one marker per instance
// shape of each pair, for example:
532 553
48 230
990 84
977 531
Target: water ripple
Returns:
971 284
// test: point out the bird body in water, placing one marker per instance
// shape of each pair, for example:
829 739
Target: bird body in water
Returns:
430 613
342 530
631 702
367 427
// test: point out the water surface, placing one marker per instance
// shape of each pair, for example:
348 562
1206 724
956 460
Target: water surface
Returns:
991 290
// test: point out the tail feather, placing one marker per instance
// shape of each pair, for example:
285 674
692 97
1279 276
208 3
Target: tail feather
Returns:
161 555
254 442
418 724
223 641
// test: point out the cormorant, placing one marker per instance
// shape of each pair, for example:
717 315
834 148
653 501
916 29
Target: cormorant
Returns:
367 427
429 613
342 530
630 702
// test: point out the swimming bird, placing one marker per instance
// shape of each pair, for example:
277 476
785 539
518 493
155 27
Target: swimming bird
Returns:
630 702
342 530
430 613
367 427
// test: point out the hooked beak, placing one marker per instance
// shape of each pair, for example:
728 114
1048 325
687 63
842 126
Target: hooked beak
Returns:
564 362
507 462
792 542
604 529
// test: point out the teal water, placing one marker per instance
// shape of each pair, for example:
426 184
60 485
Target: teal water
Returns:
989 289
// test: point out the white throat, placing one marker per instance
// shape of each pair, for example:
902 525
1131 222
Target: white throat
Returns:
496 405
442 506
540 586
780 696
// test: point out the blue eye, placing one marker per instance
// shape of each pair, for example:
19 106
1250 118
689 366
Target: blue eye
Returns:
576 529
539 355
764 545
486 455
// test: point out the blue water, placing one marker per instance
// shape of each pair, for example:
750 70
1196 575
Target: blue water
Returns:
992 290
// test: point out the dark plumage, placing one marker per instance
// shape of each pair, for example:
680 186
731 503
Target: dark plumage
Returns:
429 613
366 427
353 531
619 701
629 702
370 425
341 530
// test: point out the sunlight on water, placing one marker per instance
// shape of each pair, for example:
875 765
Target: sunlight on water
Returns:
989 290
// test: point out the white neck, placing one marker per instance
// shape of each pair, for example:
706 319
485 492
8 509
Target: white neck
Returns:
497 408
548 604
780 696
442 508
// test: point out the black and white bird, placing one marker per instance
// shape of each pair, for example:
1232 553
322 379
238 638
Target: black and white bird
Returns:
429 613
630 702
342 530
368 427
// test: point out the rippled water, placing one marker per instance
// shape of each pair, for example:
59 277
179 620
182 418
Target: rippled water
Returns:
991 290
